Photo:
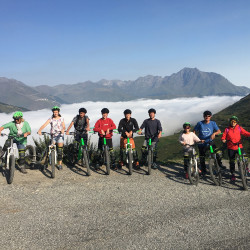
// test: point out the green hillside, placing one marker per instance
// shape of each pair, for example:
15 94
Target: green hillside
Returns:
5 108
169 148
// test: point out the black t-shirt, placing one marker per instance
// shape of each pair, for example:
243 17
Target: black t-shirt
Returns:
152 129
127 126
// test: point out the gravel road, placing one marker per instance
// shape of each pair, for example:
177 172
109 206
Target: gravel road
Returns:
161 211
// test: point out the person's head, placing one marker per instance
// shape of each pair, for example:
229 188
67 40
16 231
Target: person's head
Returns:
233 121
82 112
56 111
105 113
207 115
186 127
127 113
151 113
18 117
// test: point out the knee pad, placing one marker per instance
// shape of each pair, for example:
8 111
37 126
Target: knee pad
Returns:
218 153
135 155
112 154
60 153
21 156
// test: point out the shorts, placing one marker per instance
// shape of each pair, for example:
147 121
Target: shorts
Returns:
57 139
123 142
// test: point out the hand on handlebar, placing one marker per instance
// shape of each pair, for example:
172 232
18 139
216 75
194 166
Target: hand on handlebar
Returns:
39 132
224 141
107 132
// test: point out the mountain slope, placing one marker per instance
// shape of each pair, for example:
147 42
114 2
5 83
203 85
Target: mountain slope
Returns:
5 108
17 93
188 82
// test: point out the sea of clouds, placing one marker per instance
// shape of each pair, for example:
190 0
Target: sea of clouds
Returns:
172 113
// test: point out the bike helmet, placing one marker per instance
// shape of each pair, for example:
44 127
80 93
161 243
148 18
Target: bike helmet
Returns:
127 111
82 110
18 115
207 112
55 108
234 118
152 111
105 111
186 124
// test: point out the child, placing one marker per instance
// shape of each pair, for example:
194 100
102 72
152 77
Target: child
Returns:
187 138
232 135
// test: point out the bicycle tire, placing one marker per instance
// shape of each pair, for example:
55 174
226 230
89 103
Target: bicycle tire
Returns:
130 162
150 155
11 169
215 172
242 170
193 175
53 163
107 160
85 161
29 154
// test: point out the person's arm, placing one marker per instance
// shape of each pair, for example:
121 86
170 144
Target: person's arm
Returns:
223 138
244 132
112 126
181 140
1 129
87 128
159 129
43 126
28 129
63 128
196 138
120 127
136 127
142 127
69 127
98 128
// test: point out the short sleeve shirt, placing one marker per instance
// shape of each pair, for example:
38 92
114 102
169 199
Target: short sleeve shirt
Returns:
82 124
205 130
56 126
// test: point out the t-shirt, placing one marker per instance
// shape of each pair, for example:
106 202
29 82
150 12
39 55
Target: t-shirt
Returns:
205 130
152 129
189 138
14 131
80 124
104 125
127 126
56 126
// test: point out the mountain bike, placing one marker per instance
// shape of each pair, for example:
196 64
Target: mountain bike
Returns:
214 167
48 156
82 154
9 158
193 169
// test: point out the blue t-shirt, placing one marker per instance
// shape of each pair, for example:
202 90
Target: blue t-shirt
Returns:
205 130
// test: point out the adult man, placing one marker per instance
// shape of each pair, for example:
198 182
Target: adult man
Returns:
127 126
207 130
153 130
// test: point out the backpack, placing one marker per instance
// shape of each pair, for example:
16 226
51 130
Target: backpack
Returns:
76 124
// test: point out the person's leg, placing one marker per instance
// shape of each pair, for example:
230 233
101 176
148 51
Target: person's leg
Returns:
122 141
60 151
111 151
21 160
218 156
154 144
97 156
231 156
144 152
202 153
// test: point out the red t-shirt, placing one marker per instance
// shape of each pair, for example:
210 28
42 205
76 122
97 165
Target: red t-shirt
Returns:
104 125
233 135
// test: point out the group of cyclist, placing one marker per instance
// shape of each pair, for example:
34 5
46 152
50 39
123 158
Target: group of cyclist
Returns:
204 133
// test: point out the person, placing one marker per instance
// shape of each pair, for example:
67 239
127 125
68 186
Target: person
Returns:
104 126
127 126
20 129
207 130
81 125
57 130
153 130
187 138
232 136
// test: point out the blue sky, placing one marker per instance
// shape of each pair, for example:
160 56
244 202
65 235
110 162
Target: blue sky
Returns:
59 41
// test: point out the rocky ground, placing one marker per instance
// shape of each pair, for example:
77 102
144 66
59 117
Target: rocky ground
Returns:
161 211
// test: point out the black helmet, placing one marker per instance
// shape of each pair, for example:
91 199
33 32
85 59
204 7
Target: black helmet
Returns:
207 112
127 111
152 111
82 110
105 111
186 124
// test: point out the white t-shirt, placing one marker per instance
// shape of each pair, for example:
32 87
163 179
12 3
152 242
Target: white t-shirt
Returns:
189 138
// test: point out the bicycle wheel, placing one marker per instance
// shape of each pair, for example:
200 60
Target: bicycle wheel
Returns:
215 172
107 160
53 163
193 172
130 160
30 153
243 174
11 169
85 161
150 155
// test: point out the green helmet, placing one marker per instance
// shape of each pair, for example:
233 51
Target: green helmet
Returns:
186 124
55 108
18 115
235 118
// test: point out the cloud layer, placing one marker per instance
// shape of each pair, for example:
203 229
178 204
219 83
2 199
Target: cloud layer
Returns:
172 113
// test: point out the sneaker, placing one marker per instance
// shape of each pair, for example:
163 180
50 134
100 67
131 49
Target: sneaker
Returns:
60 167
97 166
114 166
154 166
120 164
23 169
186 175
233 178
248 170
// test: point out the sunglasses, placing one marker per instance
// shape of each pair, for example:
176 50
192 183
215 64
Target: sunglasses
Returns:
208 116
187 128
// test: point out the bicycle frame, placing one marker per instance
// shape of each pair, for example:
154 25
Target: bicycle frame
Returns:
11 151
